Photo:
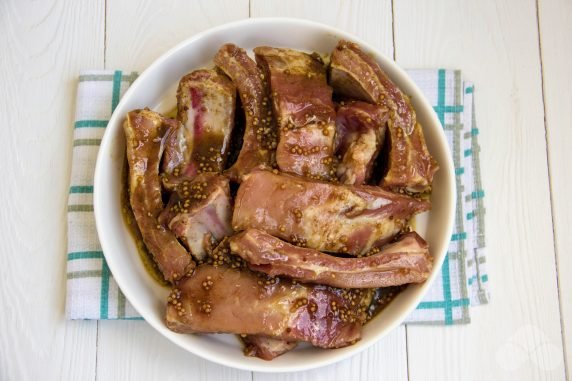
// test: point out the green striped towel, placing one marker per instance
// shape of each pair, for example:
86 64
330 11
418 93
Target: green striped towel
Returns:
92 292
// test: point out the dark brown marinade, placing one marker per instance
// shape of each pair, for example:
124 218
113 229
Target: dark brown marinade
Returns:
207 153
382 297
237 134
380 165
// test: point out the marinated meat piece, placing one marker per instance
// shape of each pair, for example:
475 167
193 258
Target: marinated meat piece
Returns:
225 300
321 215
355 74
402 262
144 132
304 110
206 101
266 348
259 140
360 132
177 154
199 212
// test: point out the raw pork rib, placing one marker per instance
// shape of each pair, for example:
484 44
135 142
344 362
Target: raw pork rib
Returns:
360 133
144 132
205 101
321 215
402 262
199 212
259 138
224 300
266 348
304 110
355 74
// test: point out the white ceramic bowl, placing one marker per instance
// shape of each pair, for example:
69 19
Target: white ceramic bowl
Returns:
155 88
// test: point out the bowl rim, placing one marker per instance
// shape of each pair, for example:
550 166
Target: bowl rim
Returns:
106 143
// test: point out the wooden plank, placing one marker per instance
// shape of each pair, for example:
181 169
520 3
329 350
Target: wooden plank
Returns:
129 350
370 20
43 45
555 37
137 33
140 31
518 335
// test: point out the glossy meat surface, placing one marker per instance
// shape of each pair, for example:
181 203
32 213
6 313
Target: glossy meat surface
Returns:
266 348
224 300
355 74
145 132
259 140
401 262
303 106
320 215
360 133
199 212
206 101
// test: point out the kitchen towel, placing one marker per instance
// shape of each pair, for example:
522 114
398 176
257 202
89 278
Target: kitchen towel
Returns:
93 294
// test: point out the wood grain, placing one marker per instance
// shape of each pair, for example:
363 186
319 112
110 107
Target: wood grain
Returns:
140 31
555 37
43 45
370 20
130 350
517 336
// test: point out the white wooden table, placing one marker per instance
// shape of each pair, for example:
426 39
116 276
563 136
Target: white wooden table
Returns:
518 53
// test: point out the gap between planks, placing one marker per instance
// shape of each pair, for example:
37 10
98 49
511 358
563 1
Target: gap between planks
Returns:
550 187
